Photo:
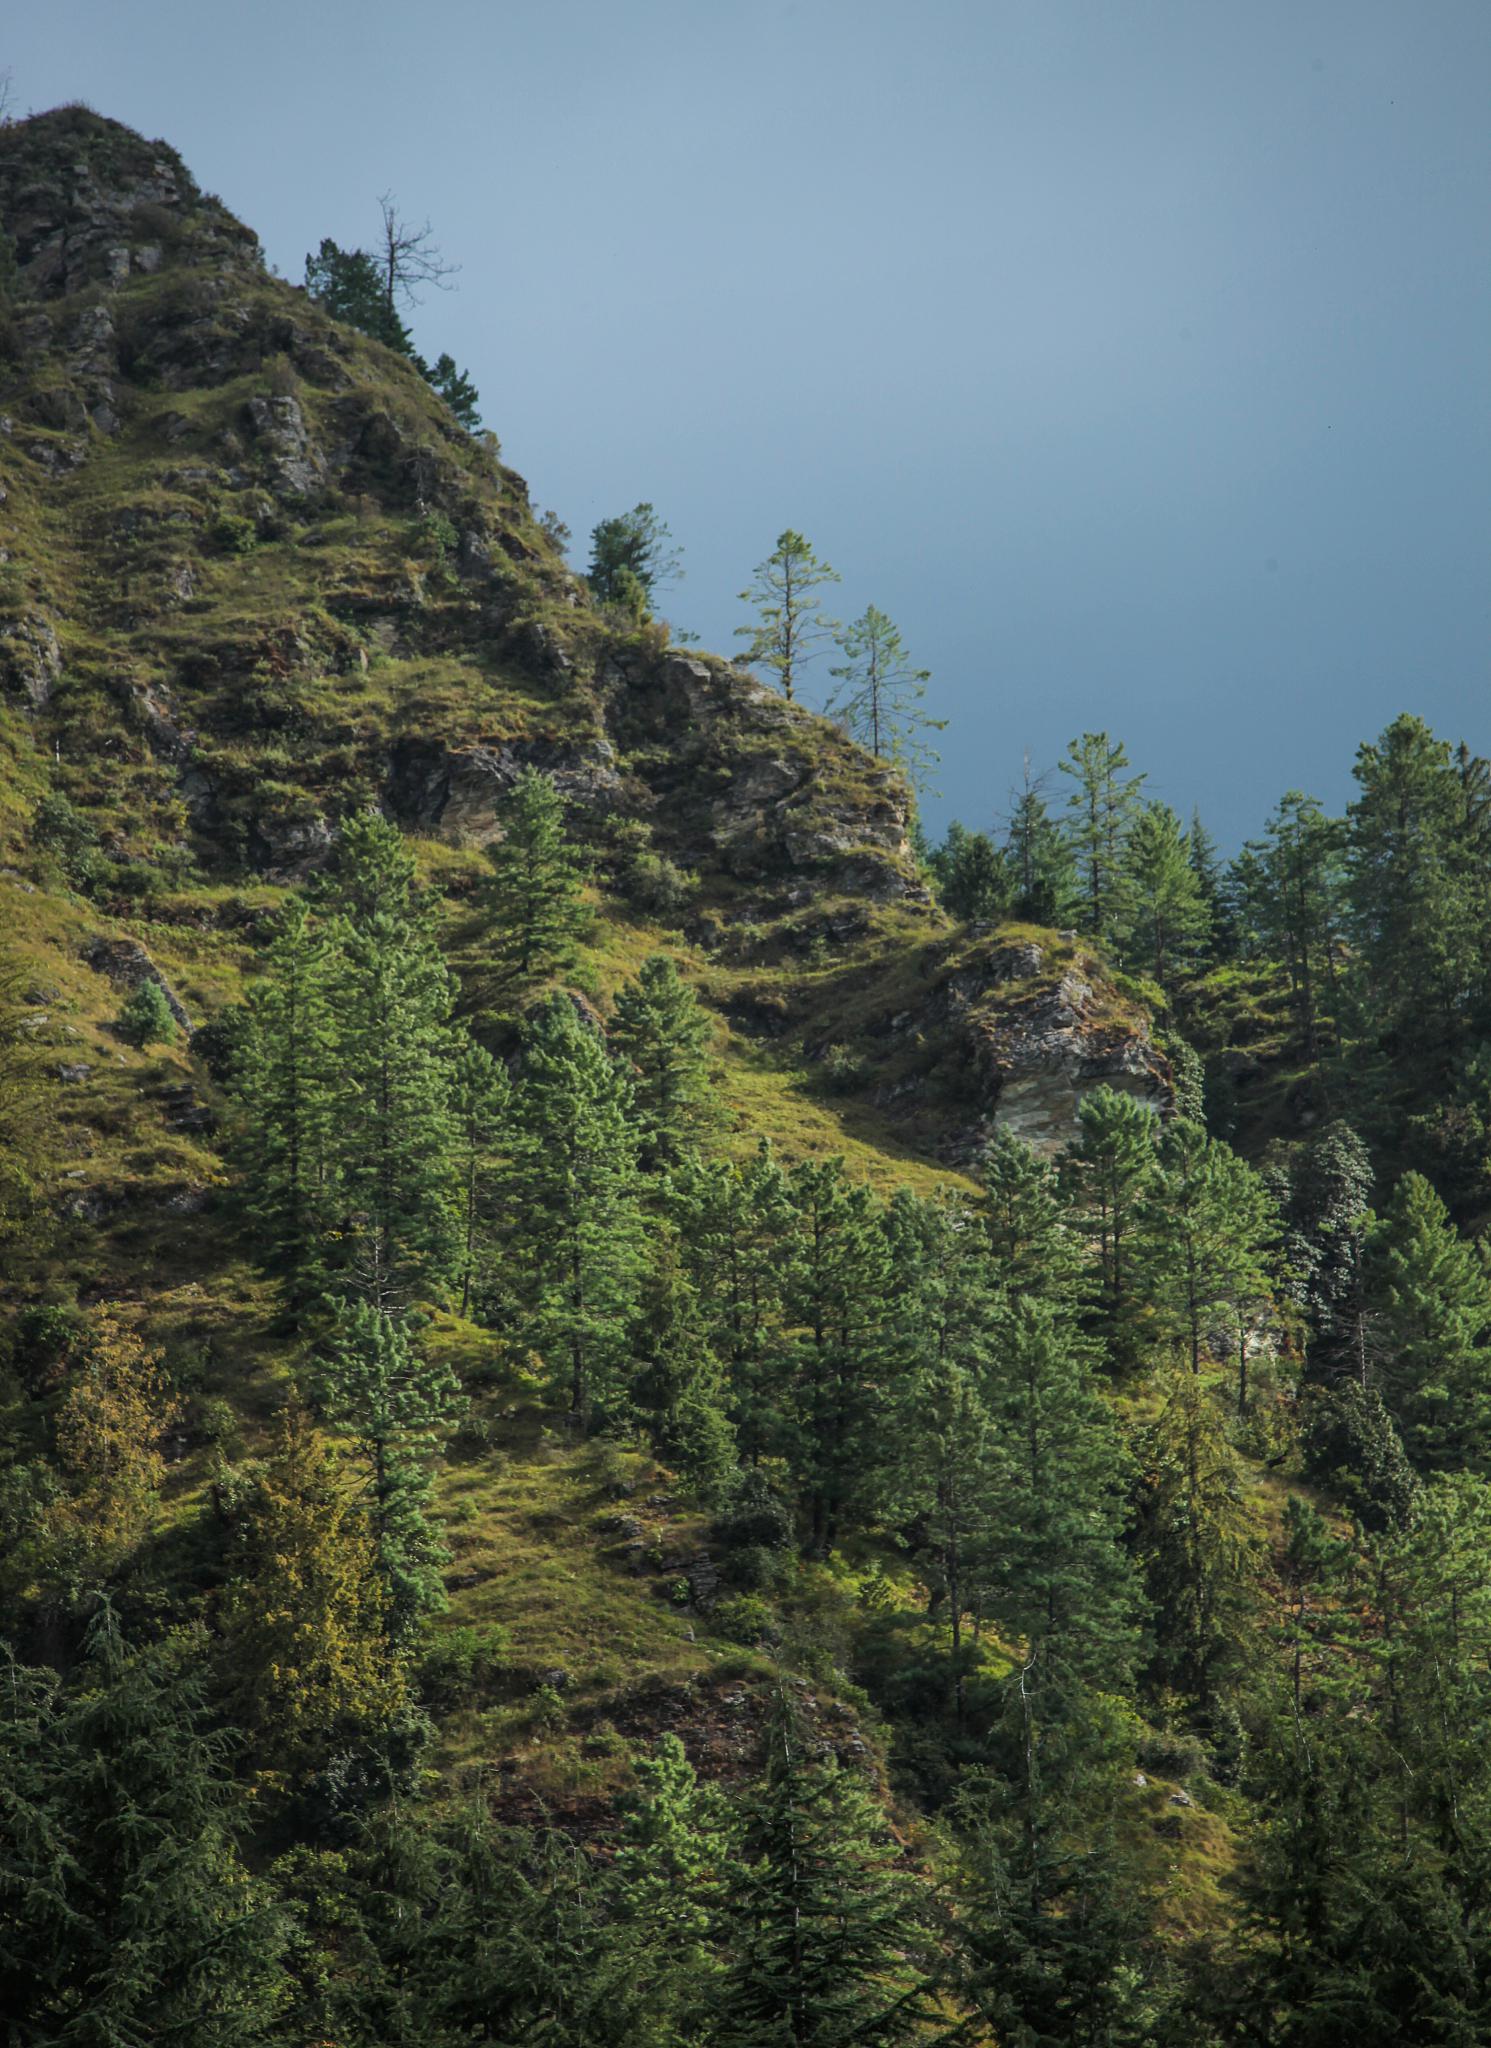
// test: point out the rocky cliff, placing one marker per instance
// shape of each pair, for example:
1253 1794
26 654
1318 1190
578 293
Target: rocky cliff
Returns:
255 575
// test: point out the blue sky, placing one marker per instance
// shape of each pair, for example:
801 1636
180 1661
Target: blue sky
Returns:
1136 358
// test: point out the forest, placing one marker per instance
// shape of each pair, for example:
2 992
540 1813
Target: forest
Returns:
569 1472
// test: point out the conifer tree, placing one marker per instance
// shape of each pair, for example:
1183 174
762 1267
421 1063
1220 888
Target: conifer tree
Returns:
672 1865
676 1381
147 1926
1325 1249
1206 866
572 1194
393 1132
1063 1585
306 1614
534 896
480 1096
1038 861
1100 811
1432 1301
880 695
288 1081
1302 911
836 1294
631 557
1034 1248
146 1018
1207 1229
1197 1536
822 1926
1167 919
790 627
661 1035
735 1223
972 875
1110 1169
399 1410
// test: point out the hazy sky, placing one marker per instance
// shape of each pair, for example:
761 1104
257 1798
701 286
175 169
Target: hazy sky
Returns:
1134 355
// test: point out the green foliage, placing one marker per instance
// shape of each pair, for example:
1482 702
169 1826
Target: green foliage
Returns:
972 876
661 1036
1101 811
146 1018
456 388
534 896
880 695
399 1411
631 557
790 627
1167 916
349 284
1432 1300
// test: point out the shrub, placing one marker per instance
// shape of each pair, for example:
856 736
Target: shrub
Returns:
657 884
146 1018
232 534
462 1665
843 1071
746 1619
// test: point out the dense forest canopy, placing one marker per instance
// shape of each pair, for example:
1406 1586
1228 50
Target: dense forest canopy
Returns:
636 1407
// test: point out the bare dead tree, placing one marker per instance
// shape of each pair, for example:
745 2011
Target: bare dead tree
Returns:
409 257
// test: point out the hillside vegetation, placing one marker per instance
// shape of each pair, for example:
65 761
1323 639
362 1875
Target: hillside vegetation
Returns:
636 1409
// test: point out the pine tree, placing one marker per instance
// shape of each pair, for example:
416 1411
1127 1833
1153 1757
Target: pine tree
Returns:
287 1082
1328 1217
348 284
631 557
480 1097
661 1035
1039 861
836 1292
455 387
162 1933
734 1225
306 1614
822 1925
146 1018
1431 1298
972 876
1207 1230
676 1381
1101 809
1167 919
1063 1586
572 1197
1110 1169
1302 911
534 897
1197 1537
1035 1251
790 627
880 696
671 1864
399 1410
393 1132
1206 866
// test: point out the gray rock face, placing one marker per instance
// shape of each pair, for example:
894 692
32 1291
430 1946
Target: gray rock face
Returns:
30 659
126 963
459 791
296 466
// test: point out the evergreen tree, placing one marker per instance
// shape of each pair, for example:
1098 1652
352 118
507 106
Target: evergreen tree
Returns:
1206 866
735 1224
661 1035
836 1293
287 1081
399 1410
479 1106
676 1382
1100 812
146 1018
1431 1297
1197 1537
306 1613
972 876
1302 907
823 1927
1034 1248
1417 890
1063 1586
1351 1444
1208 1227
1110 1169
348 284
880 696
144 1925
672 1865
456 388
790 628
631 557
1325 1249
534 897
109 1426
1167 919
1039 861
574 1231
393 1133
